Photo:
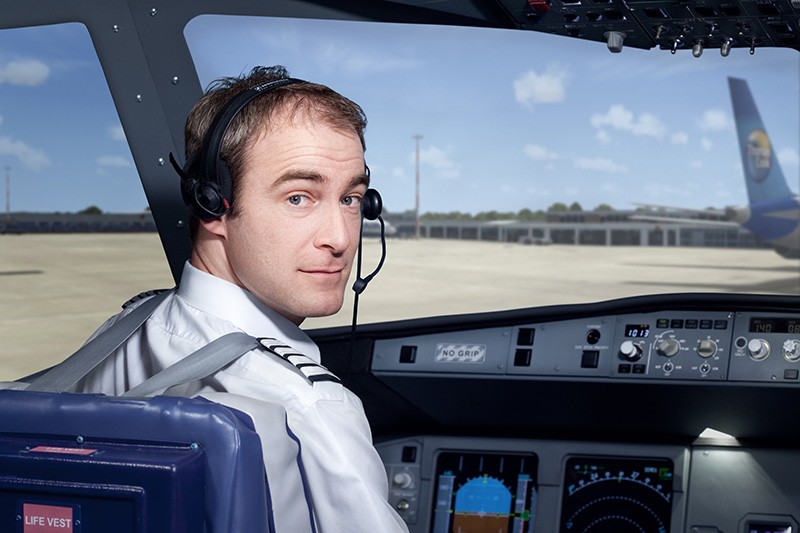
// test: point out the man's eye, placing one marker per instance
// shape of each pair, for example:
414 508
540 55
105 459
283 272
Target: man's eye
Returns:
296 199
351 200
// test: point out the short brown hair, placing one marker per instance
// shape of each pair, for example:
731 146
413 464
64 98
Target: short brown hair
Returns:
323 102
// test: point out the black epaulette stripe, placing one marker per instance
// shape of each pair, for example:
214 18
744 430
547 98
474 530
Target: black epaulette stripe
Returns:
310 369
142 296
324 377
276 346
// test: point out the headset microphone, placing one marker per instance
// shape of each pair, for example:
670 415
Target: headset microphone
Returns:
371 207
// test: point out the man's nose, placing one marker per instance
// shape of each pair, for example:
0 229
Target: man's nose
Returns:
337 227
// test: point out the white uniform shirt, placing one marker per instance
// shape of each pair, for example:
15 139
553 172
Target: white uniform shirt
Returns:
345 476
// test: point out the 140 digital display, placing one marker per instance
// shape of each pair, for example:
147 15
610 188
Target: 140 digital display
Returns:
774 325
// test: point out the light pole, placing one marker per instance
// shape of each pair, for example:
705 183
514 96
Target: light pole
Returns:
417 137
8 196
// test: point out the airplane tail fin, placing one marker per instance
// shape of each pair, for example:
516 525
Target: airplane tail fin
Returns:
763 174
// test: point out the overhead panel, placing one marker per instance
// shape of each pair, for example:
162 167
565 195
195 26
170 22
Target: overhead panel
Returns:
668 25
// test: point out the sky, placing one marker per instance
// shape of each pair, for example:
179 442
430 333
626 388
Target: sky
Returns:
508 119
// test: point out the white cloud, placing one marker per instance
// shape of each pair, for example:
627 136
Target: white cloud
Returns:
539 153
661 190
679 137
357 61
788 157
532 88
440 161
609 186
538 192
715 120
696 163
603 136
113 161
706 143
599 164
398 172
621 118
117 133
30 157
25 72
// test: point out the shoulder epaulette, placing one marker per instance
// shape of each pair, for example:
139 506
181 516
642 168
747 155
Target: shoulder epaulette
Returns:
142 296
312 370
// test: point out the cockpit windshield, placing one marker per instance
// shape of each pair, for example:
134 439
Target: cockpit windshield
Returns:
522 169
517 169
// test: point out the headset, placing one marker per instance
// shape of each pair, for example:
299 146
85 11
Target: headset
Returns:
207 185
206 182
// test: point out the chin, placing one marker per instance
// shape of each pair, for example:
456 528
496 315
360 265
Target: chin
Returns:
323 309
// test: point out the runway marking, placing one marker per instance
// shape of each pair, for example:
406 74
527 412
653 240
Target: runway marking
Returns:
20 272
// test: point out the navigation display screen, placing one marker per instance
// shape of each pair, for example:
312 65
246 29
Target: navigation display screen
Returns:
616 494
478 492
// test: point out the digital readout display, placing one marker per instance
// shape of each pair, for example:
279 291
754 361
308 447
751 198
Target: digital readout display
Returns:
774 325
637 330
769 528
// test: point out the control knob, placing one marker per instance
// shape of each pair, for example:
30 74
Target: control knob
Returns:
402 480
758 348
668 347
707 348
791 350
630 351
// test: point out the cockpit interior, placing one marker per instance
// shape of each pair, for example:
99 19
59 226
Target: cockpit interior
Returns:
650 385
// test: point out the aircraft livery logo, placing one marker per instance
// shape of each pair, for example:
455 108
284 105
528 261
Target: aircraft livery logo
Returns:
759 155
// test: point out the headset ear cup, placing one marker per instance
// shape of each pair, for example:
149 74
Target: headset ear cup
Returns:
224 184
208 202
203 199
371 204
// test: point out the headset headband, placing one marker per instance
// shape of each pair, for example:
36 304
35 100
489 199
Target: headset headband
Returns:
212 143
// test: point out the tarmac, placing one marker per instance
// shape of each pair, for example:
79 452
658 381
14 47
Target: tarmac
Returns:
56 289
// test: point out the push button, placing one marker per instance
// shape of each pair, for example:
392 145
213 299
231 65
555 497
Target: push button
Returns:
590 358
408 354
525 336
522 357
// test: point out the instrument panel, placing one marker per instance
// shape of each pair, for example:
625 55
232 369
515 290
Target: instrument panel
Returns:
673 345
443 484
657 414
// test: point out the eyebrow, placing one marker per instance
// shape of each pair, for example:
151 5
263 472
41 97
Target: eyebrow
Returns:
300 175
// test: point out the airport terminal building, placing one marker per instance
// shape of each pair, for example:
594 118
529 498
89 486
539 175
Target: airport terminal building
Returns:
606 228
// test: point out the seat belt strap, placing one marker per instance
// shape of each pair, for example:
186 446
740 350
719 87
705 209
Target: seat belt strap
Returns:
212 357
67 373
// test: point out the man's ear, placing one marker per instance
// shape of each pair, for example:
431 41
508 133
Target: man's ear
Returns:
216 227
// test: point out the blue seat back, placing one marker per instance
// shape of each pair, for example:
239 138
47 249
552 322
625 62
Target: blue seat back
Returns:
89 463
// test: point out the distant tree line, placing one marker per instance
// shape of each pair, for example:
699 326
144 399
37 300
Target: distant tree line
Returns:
524 215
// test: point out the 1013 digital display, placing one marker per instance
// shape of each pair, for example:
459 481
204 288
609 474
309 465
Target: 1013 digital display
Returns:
637 331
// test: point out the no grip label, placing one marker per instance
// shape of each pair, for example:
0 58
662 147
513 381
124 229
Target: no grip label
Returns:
461 353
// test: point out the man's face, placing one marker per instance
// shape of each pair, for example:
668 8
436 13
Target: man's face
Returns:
298 213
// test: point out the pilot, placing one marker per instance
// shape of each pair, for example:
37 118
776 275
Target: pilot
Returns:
274 235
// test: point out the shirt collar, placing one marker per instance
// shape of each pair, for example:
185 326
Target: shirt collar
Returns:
230 302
